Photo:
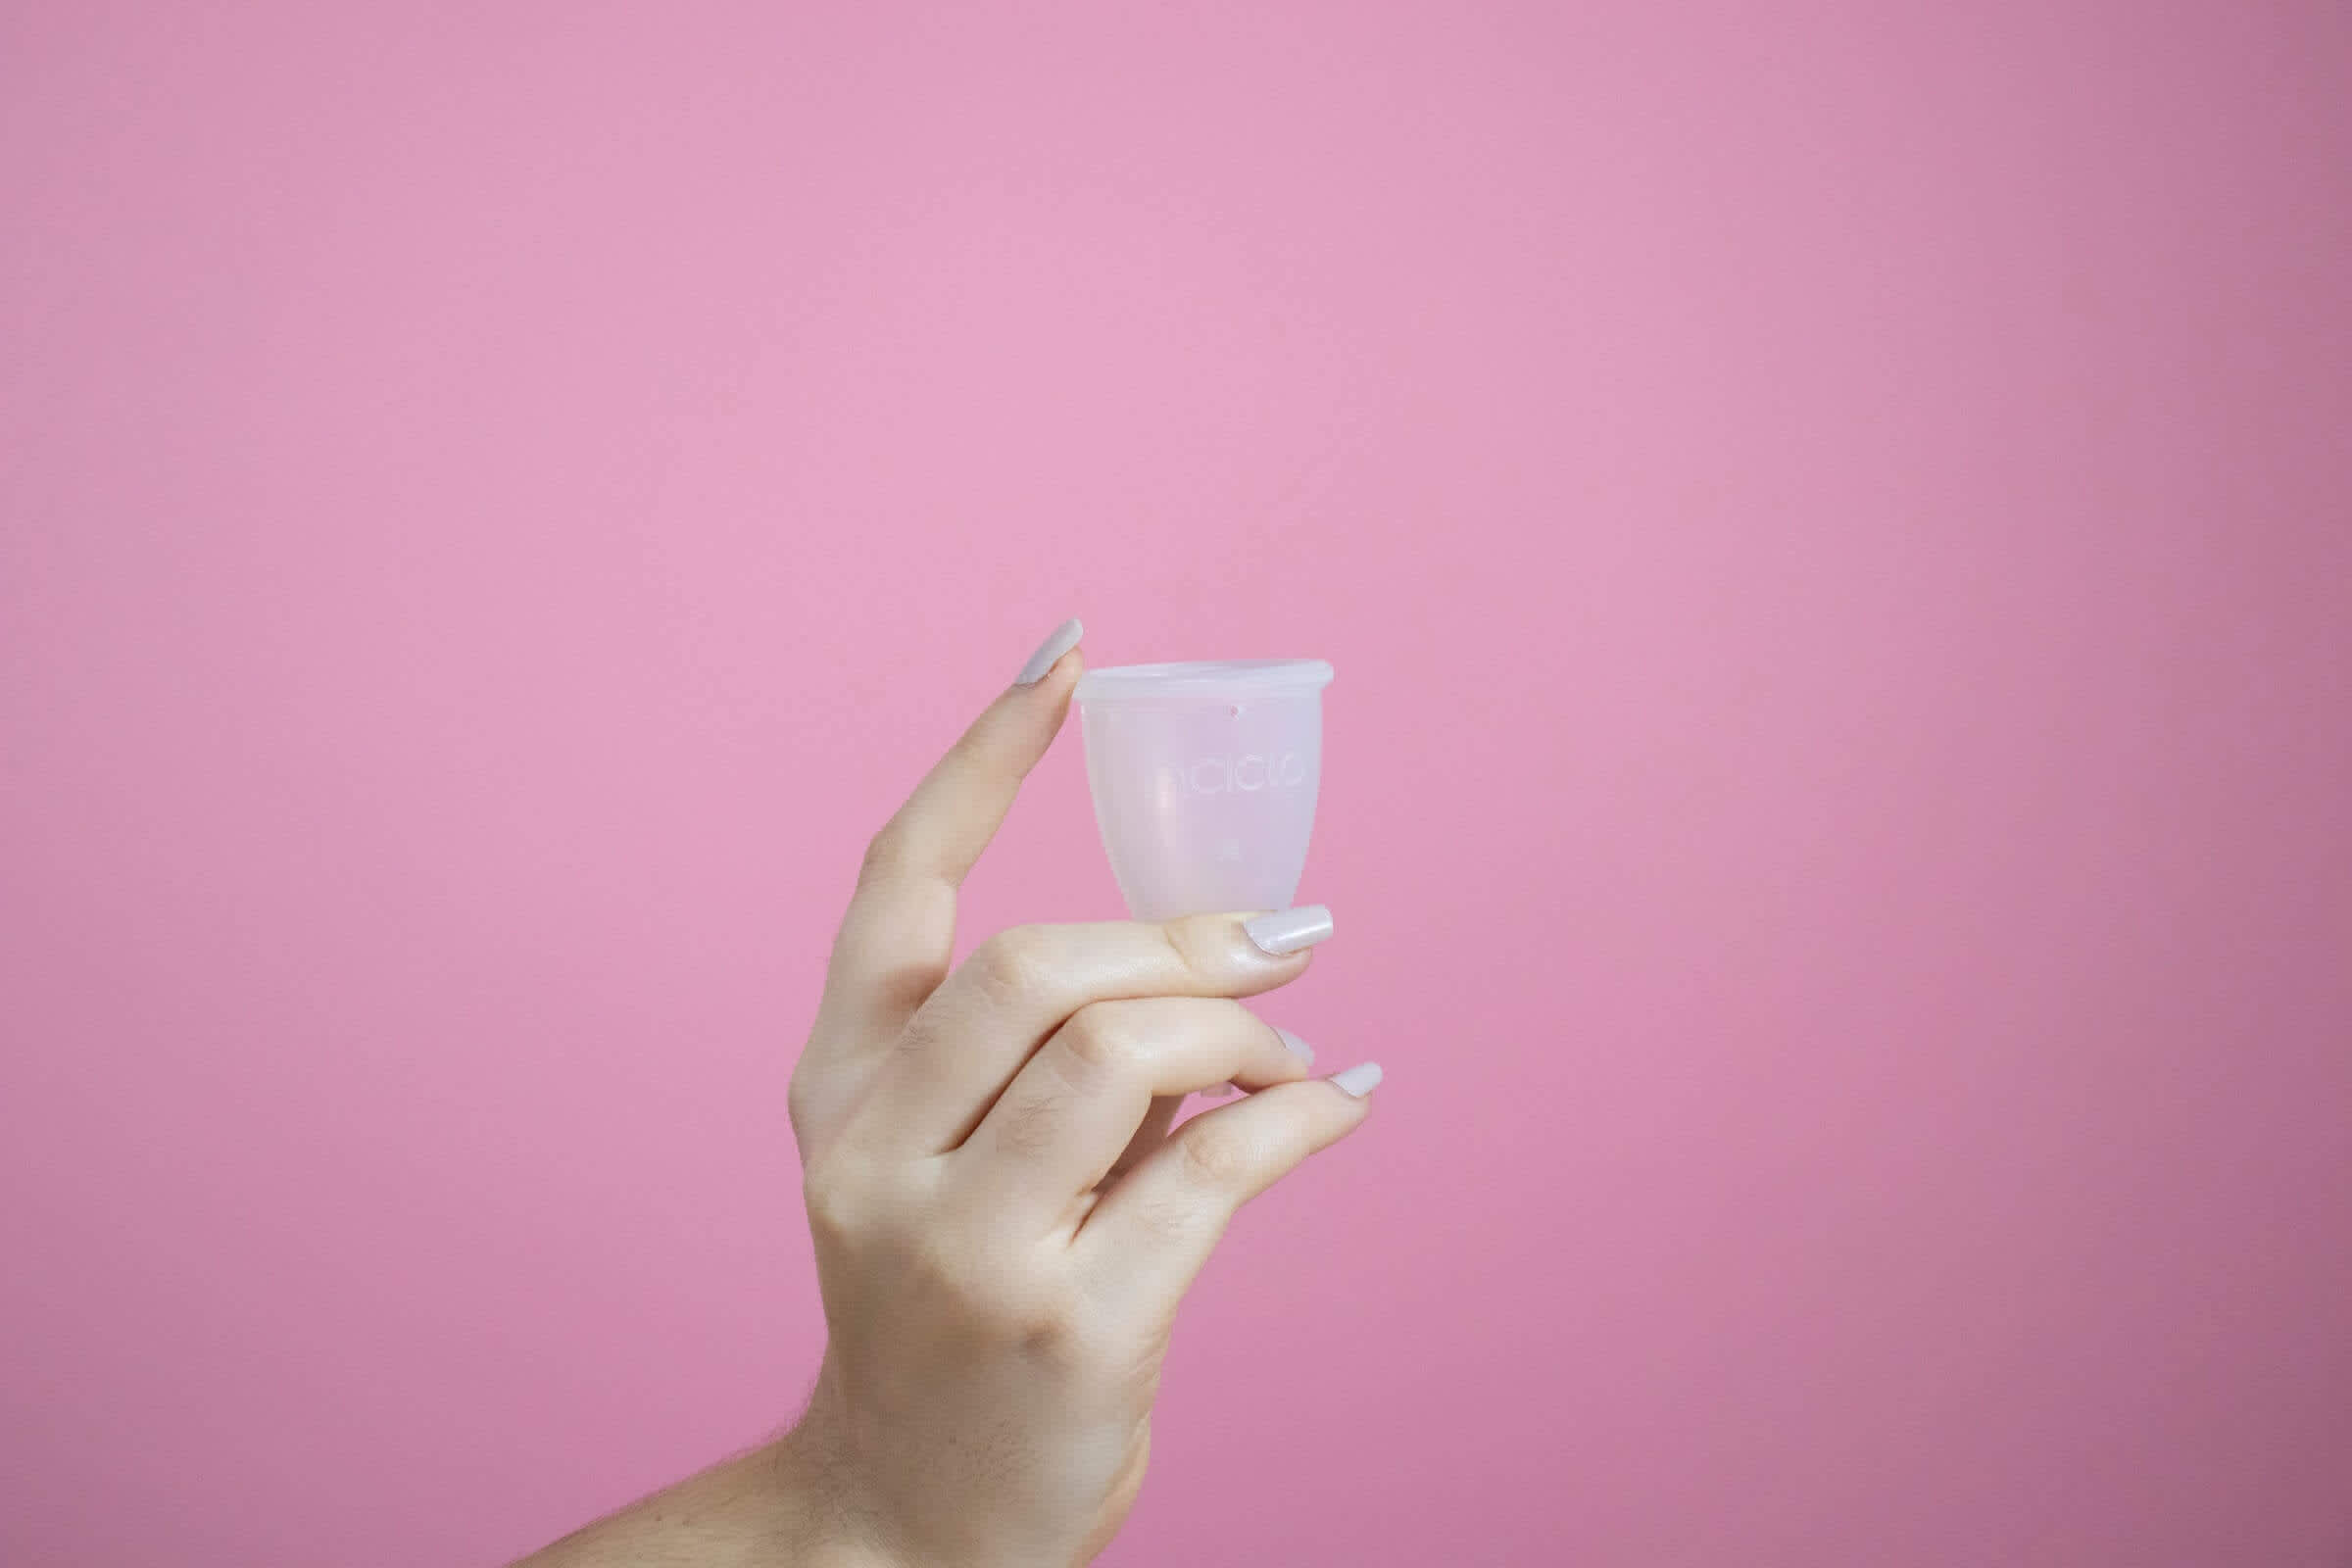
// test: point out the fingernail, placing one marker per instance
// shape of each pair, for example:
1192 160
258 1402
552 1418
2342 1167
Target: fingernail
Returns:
1064 637
1289 930
1296 1047
1359 1080
1220 1091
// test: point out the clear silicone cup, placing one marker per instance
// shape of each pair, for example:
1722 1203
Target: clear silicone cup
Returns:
1204 778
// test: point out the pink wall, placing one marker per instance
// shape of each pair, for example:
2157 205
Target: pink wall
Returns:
1835 522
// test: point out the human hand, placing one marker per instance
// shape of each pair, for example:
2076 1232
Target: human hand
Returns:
1004 1222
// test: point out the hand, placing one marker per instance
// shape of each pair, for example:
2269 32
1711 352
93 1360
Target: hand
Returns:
1003 1223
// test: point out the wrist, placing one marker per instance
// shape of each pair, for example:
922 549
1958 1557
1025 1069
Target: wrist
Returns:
831 1524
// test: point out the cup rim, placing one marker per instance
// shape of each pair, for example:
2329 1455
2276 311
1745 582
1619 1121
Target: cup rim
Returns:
1225 677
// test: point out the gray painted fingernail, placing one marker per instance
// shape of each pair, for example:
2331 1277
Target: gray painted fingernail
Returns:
1296 1047
1289 930
1359 1080
1064 637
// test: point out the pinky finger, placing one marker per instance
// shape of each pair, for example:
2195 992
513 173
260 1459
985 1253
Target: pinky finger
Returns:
1156 1226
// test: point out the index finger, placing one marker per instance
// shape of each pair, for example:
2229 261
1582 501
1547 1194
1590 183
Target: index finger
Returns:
899 934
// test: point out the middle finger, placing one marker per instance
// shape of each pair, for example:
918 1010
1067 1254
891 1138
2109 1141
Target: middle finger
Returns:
968 1039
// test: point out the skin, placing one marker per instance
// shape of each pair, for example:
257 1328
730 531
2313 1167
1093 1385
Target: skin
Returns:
1003 1221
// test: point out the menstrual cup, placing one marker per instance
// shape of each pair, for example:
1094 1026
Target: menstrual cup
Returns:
1204 778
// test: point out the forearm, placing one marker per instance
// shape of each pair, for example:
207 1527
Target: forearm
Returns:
768 1509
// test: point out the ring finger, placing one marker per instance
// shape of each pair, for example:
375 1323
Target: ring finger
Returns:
1072 1110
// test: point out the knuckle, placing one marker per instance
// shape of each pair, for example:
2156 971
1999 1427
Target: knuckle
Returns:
887 854
1045 1323
1045 1327
1099 1040
908 982
975 750
1214 1158
833 1208
1014 962
1202 947
801 1104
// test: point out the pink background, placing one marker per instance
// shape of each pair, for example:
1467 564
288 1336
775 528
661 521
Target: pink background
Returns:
1835 523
